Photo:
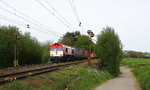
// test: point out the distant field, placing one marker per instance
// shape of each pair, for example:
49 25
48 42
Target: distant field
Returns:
141 69
134 62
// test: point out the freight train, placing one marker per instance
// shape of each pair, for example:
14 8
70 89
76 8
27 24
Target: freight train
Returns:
64 53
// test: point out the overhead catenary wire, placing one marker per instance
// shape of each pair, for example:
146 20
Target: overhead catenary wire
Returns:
9 20
72 4
19 23
29 18
74 10
12 20
54 15
60 14
24 25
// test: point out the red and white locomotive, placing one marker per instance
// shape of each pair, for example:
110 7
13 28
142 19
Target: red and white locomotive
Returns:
63 53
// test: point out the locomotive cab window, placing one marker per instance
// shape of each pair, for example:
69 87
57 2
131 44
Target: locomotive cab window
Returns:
59 48
66 50
53 48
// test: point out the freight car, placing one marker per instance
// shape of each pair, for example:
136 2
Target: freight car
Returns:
64 53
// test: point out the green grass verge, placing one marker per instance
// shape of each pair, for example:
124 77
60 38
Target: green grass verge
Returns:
16 85
75 77
141 69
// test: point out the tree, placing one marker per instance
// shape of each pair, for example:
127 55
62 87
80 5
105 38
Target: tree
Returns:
109 49
46 52
29 51
83 41
69 38
134 54
7 45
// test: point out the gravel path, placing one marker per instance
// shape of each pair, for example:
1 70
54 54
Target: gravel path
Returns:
126 81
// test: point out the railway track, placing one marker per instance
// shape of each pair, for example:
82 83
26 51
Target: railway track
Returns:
12 76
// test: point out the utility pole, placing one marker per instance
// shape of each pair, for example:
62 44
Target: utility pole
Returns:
90 34
15 49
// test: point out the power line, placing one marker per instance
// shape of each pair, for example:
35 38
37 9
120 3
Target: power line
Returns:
11 20
54 15
24 25
72 4
36 22
75 13
27 20
59 14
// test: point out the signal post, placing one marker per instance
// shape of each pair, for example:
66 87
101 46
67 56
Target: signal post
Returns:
15 49
90 34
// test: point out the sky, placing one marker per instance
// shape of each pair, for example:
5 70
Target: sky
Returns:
129 18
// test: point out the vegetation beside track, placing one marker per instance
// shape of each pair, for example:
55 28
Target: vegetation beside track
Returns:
74 77
109 49
29 49
141 69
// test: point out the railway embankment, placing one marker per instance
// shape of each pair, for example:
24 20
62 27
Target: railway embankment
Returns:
74 77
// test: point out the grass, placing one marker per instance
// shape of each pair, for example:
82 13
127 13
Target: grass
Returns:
17 85
141 69
75 77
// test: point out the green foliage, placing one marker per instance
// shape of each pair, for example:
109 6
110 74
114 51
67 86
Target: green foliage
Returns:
90 78
143 75
141 70
7 45
83 41
135 54
74 39
109 49
46 52
69 38
16 85
74 77
29 50
133 62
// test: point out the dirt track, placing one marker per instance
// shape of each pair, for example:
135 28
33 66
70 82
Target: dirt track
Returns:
126 81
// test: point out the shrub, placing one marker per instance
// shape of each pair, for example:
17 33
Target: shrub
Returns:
109 49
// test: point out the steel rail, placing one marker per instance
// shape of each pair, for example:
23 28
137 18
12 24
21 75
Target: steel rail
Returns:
23 74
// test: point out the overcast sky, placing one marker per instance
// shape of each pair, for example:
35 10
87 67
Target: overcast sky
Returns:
129 18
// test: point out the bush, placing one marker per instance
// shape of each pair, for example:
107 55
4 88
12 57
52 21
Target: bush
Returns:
109 49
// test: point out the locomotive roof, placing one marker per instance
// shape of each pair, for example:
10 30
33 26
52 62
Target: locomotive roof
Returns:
59 44
62 45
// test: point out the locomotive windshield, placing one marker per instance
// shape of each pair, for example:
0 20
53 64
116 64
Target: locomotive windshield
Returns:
59 48
53 48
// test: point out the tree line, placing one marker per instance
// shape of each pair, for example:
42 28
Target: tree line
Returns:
136 54
29 50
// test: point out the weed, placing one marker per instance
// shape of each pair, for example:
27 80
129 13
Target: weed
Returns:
16 85
74 77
